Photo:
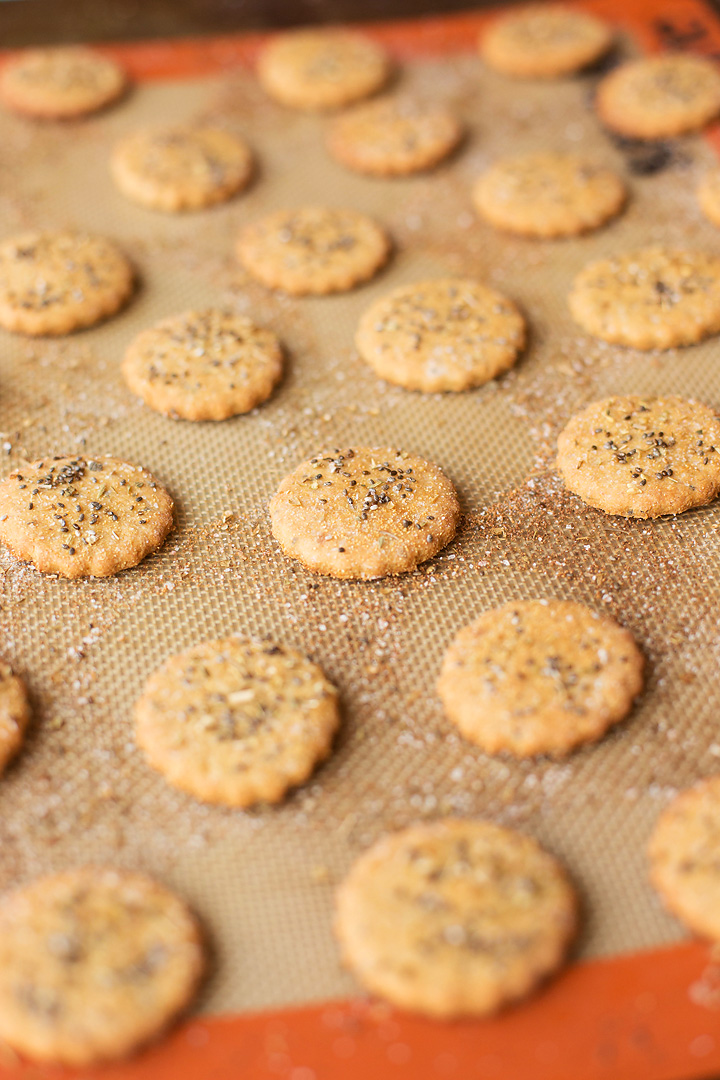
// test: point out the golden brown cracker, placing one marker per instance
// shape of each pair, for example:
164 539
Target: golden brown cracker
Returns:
237 721
83 517
94 963
455 918
539 677
446 334
364 512
642 457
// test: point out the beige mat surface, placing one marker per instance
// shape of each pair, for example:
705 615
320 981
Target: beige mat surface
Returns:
262 881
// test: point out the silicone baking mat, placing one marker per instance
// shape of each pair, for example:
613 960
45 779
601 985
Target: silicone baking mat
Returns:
635 1003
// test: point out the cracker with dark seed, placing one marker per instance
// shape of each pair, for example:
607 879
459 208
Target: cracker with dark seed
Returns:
204 365
364 513
393 137
456 918
660 96
321 69
642 457
313 250
181 168
539 677
94 963
237 721
52 283
14 714
548 195
449 334
83 517
683 854
544 41
60 83
654 298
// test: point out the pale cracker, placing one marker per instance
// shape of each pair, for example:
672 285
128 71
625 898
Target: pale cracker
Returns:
94 963
456 918
445 334
237 721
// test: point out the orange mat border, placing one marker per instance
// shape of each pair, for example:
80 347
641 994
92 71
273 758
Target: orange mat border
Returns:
652 1015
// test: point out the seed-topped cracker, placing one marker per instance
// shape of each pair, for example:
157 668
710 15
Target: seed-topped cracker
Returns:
544 41
642 457
60 83
447 334
181 168
94 963
56 282
548 194
654 298
83 517
656 97
321 69
204 365
394 136
683 855
539 677
456 918
313 250
237 721
364 513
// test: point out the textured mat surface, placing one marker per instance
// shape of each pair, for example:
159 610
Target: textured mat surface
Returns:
262 881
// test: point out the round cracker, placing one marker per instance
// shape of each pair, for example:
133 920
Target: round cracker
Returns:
322 69
204 365
60 83
94 963
237 721
456 918
393 137
364 513
544 41
539 677
83 517
52 283
708 194
14 714
450 334
657 97
181 168
313 250
653 298
683 855
642 457
548 195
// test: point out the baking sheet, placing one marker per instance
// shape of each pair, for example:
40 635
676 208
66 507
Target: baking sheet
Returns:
262 880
